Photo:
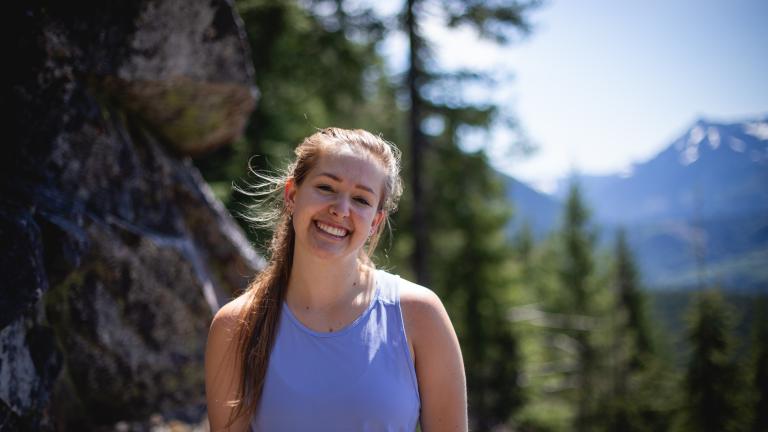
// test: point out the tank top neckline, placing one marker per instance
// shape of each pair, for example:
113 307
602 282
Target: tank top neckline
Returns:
356 322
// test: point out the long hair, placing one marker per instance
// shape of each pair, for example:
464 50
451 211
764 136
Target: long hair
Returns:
259 317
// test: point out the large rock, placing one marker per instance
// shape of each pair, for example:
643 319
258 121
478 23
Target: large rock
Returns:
115 252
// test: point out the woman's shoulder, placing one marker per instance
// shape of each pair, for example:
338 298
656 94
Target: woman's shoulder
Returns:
223 369
409 294
413 295
229 316
423 311
223 332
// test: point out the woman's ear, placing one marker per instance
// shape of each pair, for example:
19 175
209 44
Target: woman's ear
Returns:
378 219
289 194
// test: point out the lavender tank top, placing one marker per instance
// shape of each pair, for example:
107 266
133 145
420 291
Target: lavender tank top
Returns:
360 378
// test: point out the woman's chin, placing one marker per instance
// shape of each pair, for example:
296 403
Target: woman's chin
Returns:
333 248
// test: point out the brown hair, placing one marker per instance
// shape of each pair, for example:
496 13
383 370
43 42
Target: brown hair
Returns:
265 295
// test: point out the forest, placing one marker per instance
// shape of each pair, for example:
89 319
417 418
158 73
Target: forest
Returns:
557 333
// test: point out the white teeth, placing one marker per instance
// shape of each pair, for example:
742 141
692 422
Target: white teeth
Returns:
338 232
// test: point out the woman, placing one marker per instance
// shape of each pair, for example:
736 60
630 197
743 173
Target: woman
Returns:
321 340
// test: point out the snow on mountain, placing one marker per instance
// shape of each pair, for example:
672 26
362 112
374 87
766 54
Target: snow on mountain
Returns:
753 136
711 169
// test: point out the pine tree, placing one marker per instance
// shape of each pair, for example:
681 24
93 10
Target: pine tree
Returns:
642 398
496 21
760 367
632 303
523 243
631 340
472 254
575 273
457 208
713 383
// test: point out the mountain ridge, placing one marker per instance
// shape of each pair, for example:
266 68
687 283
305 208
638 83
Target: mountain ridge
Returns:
701 202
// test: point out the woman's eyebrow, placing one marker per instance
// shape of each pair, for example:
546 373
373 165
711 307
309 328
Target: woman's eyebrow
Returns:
340 180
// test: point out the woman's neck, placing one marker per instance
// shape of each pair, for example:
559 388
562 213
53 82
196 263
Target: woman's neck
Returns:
319 285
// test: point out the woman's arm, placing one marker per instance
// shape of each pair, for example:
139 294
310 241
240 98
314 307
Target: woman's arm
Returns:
222 369
437 356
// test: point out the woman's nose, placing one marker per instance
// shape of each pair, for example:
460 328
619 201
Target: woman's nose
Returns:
340 207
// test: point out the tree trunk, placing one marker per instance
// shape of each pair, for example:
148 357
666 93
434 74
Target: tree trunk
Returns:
418 144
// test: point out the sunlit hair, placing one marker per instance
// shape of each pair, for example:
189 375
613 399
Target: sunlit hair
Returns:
265 295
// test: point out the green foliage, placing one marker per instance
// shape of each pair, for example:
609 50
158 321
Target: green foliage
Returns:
576 261
643 396
631 305
470 252
457 210
589 349
714 385
565 347
498 20
575 271
759 367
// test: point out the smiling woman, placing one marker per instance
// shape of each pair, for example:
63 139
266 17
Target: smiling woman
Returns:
321 339
337 209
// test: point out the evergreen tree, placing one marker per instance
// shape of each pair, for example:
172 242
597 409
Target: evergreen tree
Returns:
632 305
523 245
472 254
523 242
496 21
631 339
760 367
456 206
713 383
642 398
575 272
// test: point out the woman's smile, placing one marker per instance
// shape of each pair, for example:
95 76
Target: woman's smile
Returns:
331 230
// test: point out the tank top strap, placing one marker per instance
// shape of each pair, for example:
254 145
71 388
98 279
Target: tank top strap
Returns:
388 287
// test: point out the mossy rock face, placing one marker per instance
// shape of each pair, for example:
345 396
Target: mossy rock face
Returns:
128 328
116 254
192 117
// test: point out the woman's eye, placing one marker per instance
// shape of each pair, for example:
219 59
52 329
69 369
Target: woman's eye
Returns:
363 201
325 188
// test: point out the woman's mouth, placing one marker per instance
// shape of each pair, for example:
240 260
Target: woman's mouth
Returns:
332 230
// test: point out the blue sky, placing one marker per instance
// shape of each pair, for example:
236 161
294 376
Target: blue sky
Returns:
601 84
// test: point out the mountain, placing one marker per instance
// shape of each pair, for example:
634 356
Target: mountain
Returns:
697 212
711 170
537 210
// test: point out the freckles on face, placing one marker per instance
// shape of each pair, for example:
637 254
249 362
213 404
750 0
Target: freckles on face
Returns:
336 206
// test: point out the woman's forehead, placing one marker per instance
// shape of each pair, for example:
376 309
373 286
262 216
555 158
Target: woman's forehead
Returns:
348 165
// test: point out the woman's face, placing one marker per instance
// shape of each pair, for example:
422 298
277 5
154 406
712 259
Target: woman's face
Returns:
335 209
